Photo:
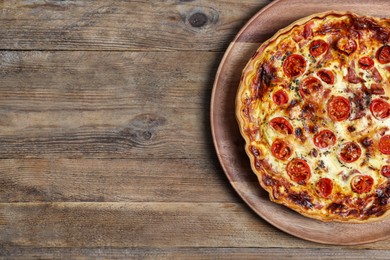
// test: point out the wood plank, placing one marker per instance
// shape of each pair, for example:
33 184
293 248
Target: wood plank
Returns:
92 80
104 180
123 25
86 225
192 253
148 134
106 104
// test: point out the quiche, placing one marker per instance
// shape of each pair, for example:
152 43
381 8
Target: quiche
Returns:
313 106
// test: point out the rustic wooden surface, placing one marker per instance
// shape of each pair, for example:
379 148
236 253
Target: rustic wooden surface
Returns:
105 143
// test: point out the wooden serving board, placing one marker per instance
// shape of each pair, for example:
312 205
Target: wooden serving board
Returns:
230 145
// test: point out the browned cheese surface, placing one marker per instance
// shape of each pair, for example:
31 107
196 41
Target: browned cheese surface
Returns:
106 149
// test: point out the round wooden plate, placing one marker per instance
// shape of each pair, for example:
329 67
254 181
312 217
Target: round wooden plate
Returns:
230 145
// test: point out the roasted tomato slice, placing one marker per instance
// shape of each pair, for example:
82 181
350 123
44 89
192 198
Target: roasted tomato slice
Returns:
324 139
386 171
324 187
326 76
346 45
383 54
298 170
310 86
366 63
281 149
280 97
318 47
350 152
380 108
362 183
294 65
281 125
339 108
384 144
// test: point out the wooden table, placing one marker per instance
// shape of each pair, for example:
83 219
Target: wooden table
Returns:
105 143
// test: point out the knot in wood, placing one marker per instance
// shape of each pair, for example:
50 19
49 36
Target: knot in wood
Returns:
143 128
147 135
198 19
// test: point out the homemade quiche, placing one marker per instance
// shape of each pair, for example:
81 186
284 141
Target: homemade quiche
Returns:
313 106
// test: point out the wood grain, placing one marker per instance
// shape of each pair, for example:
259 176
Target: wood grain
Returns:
122 25
136 225
142 225
113 180
105 104
98 81
192 253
